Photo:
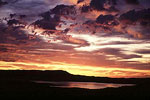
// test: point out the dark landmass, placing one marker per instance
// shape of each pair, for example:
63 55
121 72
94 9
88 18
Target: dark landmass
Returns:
19 83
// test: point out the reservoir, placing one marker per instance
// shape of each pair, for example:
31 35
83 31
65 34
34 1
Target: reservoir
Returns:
85 85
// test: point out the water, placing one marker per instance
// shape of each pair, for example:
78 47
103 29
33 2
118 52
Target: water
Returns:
85 85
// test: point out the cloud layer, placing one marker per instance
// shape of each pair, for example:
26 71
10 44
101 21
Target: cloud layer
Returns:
106 37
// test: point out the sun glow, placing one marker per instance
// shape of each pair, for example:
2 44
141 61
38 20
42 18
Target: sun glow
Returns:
75 69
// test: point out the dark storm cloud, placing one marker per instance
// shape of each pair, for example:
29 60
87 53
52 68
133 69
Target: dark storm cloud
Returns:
11 40
51 19
85 8
47 22
107 19
24 6
104 19
134 2
105 23
13 36
145 3
3 3
142 16
63 10
136 23
100 4
32 8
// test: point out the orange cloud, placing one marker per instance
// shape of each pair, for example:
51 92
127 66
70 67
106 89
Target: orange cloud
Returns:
71 1
135 33
75 40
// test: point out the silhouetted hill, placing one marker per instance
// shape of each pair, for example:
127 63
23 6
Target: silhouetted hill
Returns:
59 75
19 83
56 75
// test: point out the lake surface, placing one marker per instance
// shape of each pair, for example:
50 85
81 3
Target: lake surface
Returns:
85 85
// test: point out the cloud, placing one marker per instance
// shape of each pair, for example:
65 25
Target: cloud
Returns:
73 40
3 49
47 22
138 31
11 35
52 18
136 16
12 40
35 7
118 53
79 1
127 74
93 33
107 20
85 9
134 2
121 22
64 10
98 4
2 3
9 57
101 5
143 51
119 43
27 67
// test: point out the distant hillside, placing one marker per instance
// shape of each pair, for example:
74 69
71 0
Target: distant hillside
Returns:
59 75
56 75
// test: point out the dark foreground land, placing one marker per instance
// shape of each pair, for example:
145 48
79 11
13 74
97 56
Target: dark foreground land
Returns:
16 84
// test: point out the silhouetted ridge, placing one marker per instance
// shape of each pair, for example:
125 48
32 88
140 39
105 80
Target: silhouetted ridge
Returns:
59 75
54 75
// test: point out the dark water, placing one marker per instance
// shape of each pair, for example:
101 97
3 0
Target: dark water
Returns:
86 85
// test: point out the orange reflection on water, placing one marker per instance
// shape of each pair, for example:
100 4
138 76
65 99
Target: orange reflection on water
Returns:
85 85
92 85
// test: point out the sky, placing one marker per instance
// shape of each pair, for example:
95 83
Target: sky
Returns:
104 38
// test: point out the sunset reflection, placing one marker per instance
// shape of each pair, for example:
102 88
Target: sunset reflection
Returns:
85 85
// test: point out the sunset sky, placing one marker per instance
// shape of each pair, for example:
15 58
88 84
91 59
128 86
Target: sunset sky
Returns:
105 38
